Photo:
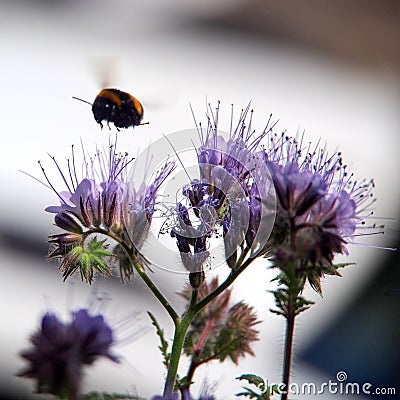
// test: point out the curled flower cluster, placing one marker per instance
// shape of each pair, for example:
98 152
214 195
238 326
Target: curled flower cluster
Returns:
319 207
226 197
252 185
101 202
60 351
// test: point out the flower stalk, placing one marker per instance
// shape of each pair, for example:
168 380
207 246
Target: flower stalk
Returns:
181 327
143 275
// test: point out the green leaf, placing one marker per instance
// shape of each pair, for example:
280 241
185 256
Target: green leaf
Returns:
253 379
164 344
266 392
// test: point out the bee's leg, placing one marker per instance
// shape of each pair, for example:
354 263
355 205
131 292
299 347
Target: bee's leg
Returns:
101 125
108 124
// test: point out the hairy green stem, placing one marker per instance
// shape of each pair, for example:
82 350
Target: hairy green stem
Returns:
181 324
181 328
164 302
287 358
290 315
228 281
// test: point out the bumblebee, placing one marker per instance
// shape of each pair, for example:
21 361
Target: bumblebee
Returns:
117 107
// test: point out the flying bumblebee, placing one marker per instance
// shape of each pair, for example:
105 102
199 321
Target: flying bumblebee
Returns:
117 107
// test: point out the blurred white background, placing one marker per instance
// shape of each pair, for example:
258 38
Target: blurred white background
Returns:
315 67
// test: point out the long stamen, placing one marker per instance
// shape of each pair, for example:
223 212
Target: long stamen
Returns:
70 174
179 159
60 171
73 165
50 184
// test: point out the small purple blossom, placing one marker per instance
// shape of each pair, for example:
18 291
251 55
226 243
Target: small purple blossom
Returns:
192 240
237 163
60 351
140 202
296 190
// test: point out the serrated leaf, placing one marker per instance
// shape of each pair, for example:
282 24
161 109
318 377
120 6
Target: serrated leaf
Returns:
266 392
164 344
254 380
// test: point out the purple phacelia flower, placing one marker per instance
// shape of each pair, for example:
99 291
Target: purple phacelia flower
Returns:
236 167
226 197
320 206
101 201
60 351
296 190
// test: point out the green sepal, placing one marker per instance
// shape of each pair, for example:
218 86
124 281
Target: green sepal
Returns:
87 259
126 269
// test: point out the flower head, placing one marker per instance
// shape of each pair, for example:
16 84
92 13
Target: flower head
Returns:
60 351
319 206
227 196
101 202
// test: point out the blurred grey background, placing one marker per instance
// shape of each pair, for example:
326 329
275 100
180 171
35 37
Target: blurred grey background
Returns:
329 68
